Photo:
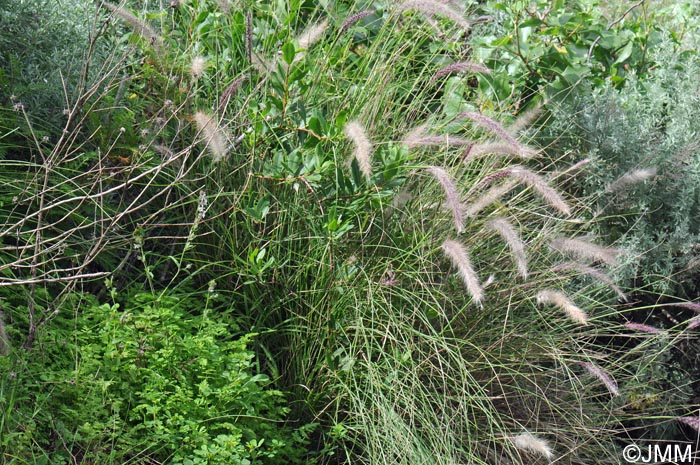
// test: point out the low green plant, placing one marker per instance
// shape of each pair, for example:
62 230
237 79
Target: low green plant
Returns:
159 378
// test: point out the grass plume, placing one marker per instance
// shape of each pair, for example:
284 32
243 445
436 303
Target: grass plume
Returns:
492 125
139 26
644 328
503 227
694 306
536 182
451 195
312 34
530 443
419 137
224 5
461 67
229 92
459 256
525 120
432 8
197 67
4 340
363 146
592 272
352 19
693 422
603 376
490 196
584 249
630 178
560 300
212 135
499 148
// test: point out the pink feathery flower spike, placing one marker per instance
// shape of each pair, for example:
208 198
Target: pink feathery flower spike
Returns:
643 328
603 376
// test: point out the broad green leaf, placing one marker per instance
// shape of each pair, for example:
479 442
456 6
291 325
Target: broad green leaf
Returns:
288 52
625 52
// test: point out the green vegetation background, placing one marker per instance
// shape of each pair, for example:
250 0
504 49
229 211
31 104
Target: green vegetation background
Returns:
334 232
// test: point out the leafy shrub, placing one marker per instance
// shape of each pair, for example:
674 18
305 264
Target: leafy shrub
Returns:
43 48
555 46
162 378
644 169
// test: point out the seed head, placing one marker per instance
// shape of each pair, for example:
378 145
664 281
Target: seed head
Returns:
530 443
630 178
197 67
347 24
693 422
584 249
432 8
461 67
603 376
139 26
363 146
643 328
559 299
503 227
459 256
535 181
451 195
212 135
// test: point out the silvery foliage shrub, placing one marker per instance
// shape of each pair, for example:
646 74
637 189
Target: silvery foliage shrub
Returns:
648 127
43 44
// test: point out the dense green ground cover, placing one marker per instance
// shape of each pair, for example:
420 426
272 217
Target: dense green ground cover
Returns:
336 232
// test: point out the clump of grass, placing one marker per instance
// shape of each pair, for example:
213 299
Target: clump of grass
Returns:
367 332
